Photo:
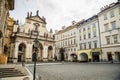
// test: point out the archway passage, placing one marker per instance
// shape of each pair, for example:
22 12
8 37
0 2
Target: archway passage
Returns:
21 52
95 56
62 56
83 57
50 53
39 52
73 57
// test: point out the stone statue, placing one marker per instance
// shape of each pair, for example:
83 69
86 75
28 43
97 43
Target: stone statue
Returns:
30 14
17 22
27 14
37 12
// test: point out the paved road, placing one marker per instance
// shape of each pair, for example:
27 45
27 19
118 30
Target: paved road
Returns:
79 71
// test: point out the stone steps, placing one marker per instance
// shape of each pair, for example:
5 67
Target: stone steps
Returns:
10 72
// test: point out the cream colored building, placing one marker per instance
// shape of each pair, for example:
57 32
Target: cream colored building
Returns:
8 34
22 47
5 6
109 21
88 40
66 41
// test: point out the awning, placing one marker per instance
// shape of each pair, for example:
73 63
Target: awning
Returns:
95 53
73 54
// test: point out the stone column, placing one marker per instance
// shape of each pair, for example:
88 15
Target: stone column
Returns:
15 55
11 52
45 53
53 53
28 52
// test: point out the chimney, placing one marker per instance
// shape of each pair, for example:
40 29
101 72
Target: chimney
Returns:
51 31
63 27
30 14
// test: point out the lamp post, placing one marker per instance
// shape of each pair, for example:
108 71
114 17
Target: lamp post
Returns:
36 44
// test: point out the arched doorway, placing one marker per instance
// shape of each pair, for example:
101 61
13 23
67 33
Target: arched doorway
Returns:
39 52
21 52
83 57
73 57
50 53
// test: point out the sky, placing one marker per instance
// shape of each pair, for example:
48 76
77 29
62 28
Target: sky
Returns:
58 13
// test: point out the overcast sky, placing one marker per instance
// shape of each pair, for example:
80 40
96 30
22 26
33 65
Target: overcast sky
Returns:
58 13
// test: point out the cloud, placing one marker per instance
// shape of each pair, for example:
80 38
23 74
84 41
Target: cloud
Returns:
59 12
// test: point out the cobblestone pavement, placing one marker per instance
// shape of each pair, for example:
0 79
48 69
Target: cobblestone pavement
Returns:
79 71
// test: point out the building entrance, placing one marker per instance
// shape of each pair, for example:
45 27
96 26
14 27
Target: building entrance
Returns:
95 56
109 56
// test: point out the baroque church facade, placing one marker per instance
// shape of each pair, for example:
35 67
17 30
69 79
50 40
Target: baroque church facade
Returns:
22 46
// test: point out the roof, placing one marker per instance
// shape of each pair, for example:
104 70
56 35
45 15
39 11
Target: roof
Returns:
108 7
87 20
37 16
67 29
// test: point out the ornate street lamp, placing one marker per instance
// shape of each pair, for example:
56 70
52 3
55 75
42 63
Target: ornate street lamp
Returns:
36 45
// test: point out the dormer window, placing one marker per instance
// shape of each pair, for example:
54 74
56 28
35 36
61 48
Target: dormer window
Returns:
112 14
105 16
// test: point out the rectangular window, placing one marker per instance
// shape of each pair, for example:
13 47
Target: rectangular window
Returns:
94 33
113 24
80 46
74 49
93 25
115 38
80 38
68 42
84 46
83 29
89 45
108 39
105 16
95 44
79 31
74 41
84 36
106 27
89 35
112 14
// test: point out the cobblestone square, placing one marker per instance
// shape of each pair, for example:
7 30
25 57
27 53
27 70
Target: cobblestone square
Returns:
79 71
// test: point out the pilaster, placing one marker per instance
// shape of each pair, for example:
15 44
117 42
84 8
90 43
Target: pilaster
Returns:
45 53
15 55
